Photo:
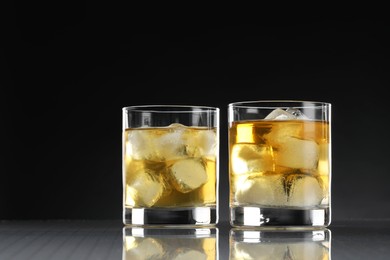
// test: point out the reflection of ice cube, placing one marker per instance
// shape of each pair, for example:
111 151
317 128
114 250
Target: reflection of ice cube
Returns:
308 250
248 158
263 190
145 189
288 114
188 174
145 248
283 250
264 251
140 145
297 153
188 254
305 191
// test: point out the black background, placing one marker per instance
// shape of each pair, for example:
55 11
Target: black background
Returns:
67 71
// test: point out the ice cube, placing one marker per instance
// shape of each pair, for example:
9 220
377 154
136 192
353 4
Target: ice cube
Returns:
279 132
189 254
296 113
238 180
145 248
140 145
288 114
279 114
305 191
250 158
262 190
188 175
204 143
171 146
145 189
297 153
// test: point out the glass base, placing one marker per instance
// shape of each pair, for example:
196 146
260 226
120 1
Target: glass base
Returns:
279 217
196 216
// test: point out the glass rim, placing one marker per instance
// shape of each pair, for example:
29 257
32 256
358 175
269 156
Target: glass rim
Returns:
170 108
278 103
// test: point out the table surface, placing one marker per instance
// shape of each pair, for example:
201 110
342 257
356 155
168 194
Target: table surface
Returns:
106 239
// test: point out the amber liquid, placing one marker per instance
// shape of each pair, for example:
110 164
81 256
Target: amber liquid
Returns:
279 163
169 167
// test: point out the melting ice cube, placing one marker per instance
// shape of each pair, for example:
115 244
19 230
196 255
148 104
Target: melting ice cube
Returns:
288 114
204 143
305 191
145 189
188 175
171 145
296 113
297 153
140 145
263 190
279 114
279 132
249 158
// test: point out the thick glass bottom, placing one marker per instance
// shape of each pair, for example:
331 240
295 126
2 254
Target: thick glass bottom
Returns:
191 216
279 217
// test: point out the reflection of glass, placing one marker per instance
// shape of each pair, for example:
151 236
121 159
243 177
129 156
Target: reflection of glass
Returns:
165 243
280 244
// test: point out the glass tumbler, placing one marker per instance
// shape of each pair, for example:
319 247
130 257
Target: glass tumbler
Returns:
280 163
170 165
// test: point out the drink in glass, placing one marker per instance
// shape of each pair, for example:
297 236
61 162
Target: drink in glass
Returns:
170 165
280 163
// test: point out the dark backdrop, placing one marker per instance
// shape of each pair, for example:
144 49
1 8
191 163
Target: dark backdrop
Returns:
67 72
